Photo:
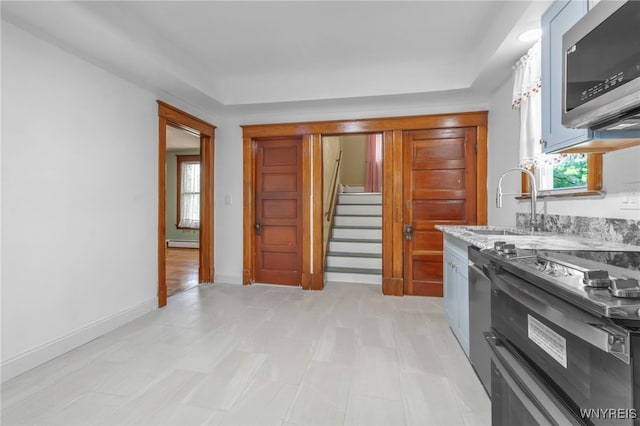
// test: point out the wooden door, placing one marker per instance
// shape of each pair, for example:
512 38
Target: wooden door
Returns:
278 218
439 188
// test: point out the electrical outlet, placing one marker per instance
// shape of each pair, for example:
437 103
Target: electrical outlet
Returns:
631 196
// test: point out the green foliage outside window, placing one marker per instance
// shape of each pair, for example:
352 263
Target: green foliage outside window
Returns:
570 173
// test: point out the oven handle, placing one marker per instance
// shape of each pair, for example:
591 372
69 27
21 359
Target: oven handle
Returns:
602 335
529 390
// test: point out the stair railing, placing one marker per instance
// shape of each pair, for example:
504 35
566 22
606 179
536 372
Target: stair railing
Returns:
332 204
334 193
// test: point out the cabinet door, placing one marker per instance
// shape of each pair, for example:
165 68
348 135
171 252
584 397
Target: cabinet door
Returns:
560 16
449 290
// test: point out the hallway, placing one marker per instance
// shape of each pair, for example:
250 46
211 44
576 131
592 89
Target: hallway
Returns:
228 354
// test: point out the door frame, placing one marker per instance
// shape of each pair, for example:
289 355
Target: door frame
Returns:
308 280
170 115
392 129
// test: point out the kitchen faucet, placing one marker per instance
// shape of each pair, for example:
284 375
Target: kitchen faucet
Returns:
533 192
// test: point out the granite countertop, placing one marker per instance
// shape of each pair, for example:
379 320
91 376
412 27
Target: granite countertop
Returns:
530 240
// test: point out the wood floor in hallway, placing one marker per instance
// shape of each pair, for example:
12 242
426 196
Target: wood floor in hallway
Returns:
182 269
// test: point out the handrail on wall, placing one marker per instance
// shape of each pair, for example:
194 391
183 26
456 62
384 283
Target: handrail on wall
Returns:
334 184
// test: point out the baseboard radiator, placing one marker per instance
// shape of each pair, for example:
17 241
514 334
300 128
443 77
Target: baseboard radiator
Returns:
183 244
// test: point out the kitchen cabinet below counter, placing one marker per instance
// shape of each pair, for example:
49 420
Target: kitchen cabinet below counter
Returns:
456 288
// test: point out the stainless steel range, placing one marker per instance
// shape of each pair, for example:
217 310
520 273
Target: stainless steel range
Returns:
565 336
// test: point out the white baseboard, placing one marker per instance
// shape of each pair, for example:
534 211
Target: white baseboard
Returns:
228 278
25 361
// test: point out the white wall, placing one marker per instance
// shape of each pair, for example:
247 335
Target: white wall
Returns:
228 202
619 168
79 201
503 146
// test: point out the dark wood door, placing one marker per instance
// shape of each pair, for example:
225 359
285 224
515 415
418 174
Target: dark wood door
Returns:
439 188
278 211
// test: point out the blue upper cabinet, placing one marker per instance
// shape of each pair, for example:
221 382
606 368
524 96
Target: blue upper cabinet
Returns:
560 16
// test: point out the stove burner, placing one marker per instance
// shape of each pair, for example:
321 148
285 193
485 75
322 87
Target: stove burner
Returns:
505 249
625 288
597 279
509 249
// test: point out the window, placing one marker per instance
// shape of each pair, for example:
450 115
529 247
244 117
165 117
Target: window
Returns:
563 172
188 191
567 175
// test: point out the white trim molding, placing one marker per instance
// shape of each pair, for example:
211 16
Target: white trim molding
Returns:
32 358
228 278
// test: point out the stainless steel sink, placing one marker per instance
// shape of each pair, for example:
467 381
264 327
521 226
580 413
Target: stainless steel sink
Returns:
493 232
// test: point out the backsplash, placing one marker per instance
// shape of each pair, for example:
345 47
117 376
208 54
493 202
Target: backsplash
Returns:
624 231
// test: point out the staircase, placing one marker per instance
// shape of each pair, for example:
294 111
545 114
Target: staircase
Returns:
355 244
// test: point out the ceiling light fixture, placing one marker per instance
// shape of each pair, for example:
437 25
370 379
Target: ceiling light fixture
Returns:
531 35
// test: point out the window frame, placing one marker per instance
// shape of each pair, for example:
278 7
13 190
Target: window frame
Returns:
180 160
594 182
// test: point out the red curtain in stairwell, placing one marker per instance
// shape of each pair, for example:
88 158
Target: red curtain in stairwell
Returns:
373 182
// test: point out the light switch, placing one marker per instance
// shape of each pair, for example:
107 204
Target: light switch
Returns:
227 199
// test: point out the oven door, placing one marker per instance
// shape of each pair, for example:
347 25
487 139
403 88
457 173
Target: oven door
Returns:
519 396
567 347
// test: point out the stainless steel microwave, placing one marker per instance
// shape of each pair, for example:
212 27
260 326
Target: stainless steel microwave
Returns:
601 68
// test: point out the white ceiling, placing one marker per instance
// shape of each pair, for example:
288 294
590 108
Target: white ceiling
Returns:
240 53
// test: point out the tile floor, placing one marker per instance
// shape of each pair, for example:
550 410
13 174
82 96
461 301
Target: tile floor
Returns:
262 355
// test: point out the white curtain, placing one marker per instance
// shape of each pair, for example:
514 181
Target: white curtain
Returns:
526 97
190 195
527 85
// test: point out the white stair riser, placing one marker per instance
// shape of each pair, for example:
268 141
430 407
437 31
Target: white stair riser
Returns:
355 233
357 209
355 247
357 220
360 198
355 262
353 278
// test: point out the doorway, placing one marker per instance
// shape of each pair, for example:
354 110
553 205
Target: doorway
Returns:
170 119
183 167
352 208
